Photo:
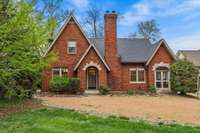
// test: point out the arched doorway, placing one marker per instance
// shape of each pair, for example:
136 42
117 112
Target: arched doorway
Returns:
162 78
92 77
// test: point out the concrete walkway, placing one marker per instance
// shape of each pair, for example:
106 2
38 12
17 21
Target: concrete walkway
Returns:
167 108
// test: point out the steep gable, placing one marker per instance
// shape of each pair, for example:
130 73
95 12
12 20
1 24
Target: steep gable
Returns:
71 30
161 46
78 30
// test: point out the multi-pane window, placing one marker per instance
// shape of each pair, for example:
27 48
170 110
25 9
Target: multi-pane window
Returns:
60 72
137 75
71 47
162 77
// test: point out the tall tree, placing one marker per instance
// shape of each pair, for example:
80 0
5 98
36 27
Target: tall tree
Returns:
93 22
21 37
6 10
53 12
149 30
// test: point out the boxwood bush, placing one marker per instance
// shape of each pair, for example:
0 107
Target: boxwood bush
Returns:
152 89
104 90
74 85
59 84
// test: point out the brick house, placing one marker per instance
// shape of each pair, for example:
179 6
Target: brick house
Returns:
121 63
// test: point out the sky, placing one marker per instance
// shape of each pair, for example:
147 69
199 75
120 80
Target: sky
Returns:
178 20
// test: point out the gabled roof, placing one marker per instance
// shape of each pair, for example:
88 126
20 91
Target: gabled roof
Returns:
192 55
136 50
91 45
86 52
158 44
62 29
129 50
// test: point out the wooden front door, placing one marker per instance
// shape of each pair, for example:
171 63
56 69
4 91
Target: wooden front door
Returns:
92 77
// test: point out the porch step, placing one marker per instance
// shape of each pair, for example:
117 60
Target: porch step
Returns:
91 92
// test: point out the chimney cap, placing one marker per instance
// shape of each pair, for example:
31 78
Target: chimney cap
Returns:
113 11
107 11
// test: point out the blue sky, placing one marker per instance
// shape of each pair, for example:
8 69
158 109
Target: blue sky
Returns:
179 20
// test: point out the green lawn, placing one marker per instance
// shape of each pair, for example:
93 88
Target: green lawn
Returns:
50 120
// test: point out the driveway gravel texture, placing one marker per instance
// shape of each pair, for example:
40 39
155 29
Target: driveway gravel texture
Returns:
154 108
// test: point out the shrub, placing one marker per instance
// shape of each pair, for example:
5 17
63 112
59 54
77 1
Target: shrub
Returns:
130 92
183 77
74 85
123 118
152 89
104 90
59 84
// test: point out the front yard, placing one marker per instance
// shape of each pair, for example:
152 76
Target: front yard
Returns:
30 116
50 120
154 108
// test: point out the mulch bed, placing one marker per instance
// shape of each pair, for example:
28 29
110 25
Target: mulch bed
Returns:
32 104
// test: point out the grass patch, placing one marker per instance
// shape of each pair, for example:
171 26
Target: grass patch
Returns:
69 121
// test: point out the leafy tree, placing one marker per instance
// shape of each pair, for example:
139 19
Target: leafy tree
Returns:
149 30
21 63
93 22
6 10
53 12
183 76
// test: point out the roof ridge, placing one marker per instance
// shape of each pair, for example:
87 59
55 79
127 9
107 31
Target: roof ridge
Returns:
120 38
189 50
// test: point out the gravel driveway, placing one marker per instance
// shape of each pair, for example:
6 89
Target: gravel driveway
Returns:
167 108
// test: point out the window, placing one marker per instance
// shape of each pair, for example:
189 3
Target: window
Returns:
71 47
133 76
60 72
162 77
137 75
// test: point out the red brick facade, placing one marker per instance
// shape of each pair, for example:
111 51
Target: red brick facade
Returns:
92 58
70 32
118 77
111 54
162 55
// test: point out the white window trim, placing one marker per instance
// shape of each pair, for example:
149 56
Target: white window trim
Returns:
68 43
60 71
137 82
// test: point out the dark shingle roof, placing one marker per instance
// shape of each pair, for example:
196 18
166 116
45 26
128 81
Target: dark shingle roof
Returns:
192 55
129 50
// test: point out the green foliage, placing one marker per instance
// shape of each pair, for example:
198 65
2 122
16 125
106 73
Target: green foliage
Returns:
183 76
22 36
66 121
130 92
74 85
63 84
123 118
152 89
59 84
104 90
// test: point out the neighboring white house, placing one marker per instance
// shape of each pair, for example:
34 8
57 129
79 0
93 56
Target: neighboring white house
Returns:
193 56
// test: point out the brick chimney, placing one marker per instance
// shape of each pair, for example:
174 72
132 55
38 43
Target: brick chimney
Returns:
111 55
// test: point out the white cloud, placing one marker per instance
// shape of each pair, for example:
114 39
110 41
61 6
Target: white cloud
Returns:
135 14
188 42
81 4
183 7
160 8
192 16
